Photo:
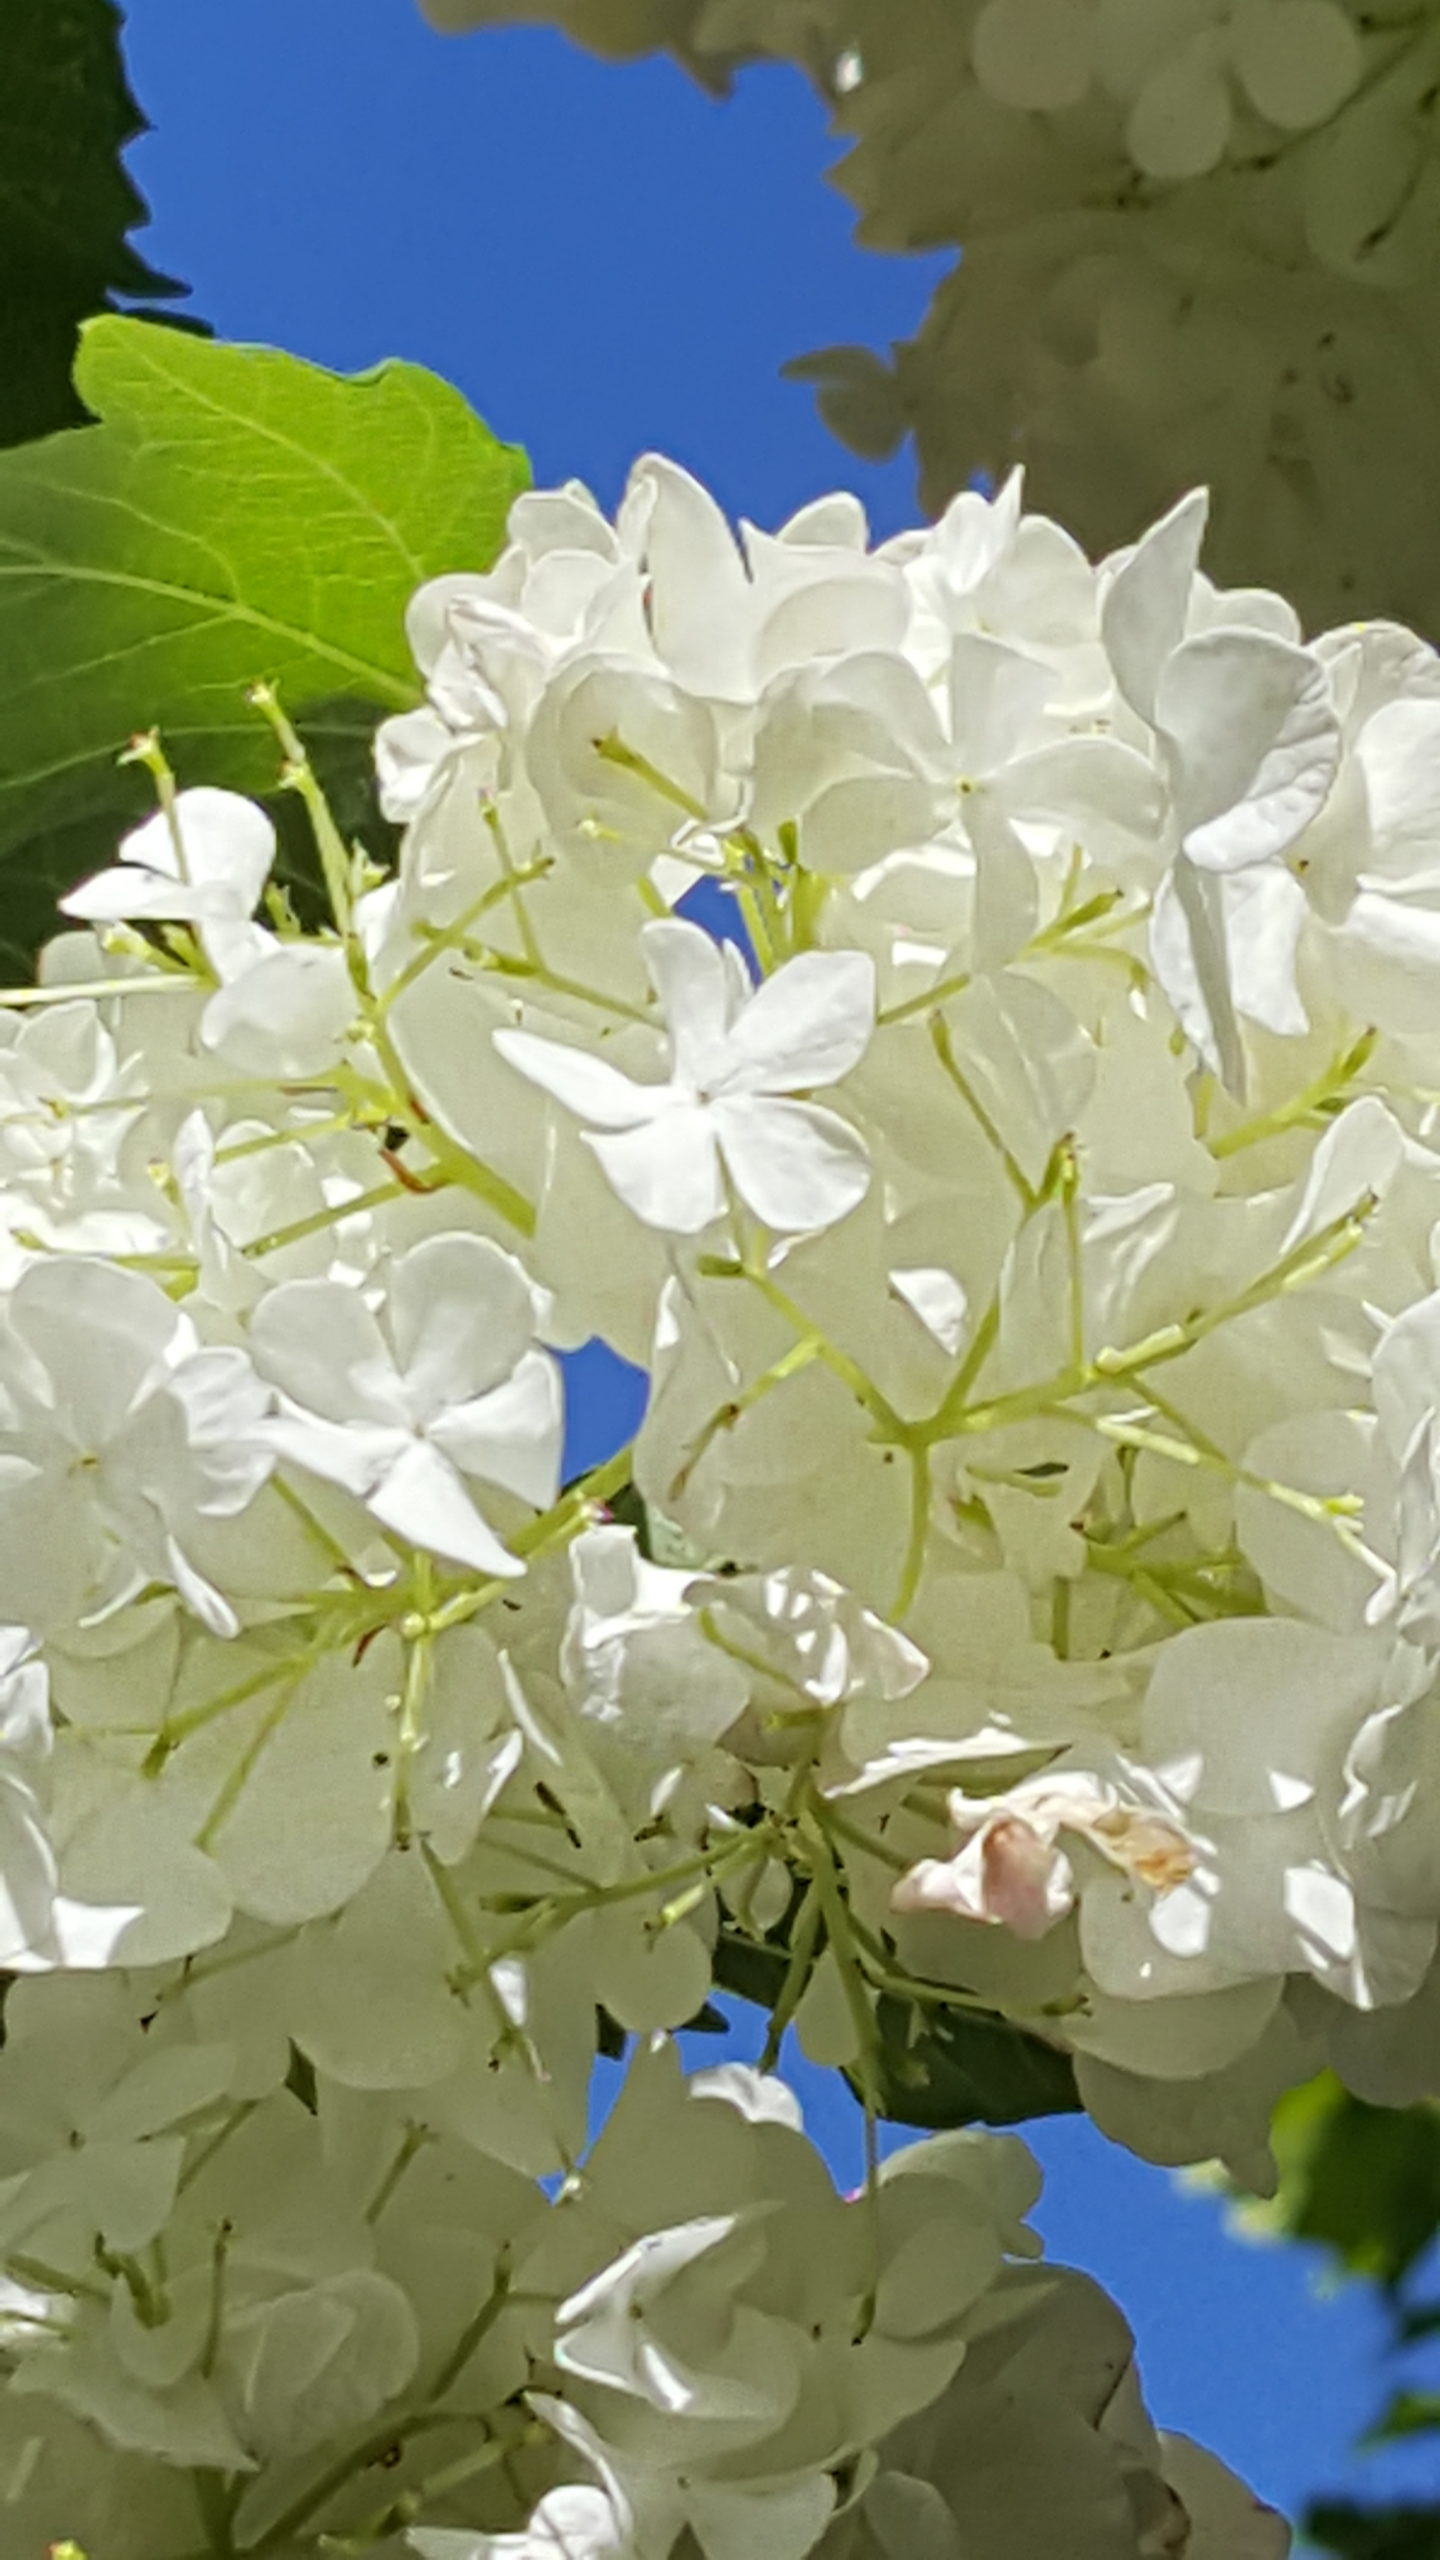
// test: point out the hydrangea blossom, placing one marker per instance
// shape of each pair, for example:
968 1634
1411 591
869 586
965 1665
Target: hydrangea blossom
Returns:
667 1149
1019 1598
1197 239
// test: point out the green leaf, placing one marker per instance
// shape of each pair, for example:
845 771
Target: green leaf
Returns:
945 2067
1410 2413
858 397
236 515
1362 2180
629 1509
938 2067
1375 2533
66 203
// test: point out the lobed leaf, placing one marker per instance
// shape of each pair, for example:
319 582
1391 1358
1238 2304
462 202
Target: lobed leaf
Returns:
236 514
66 201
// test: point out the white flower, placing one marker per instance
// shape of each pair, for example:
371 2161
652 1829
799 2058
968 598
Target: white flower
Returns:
486 645
1268 1737
119 1436
399 1408
631 2328
1089 1470
204 862
93 2111
668 1147
576 2522
1249 742
62 1103
850 751
726 617
639 1669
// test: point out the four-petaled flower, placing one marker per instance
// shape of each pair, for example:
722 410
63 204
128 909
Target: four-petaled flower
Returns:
726 1109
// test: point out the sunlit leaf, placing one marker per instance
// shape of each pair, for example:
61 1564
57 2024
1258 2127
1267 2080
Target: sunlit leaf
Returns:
236 515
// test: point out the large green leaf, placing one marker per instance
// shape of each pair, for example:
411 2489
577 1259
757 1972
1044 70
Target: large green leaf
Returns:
66 203
236 515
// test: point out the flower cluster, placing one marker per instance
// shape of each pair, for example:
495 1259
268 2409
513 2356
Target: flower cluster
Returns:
964 1022
1199 242
247 2315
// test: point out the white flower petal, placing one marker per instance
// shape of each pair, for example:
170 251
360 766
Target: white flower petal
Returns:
422 1498
1254 742
513 1435
318 1340
1147 602
288 1015
807 1026
688 972
668 1172
594 1090
798 1167
461 1315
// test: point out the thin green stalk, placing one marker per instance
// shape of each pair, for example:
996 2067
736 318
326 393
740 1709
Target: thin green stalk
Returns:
914 1564
332 1215
805 1941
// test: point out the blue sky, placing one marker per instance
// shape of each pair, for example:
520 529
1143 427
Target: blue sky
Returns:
605 260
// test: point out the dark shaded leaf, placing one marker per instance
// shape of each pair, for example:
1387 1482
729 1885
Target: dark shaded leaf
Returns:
945 2067
1375 2533
631 1510
66 202
301 2082
752 1968
857 397
938 2067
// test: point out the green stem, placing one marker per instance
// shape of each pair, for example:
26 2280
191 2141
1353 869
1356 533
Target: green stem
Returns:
333 1215
436 940
181 983
299 776
914 1564
574 1511
839 1362
1315 1101
943 1047
455 1162
789 1365
804 1948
